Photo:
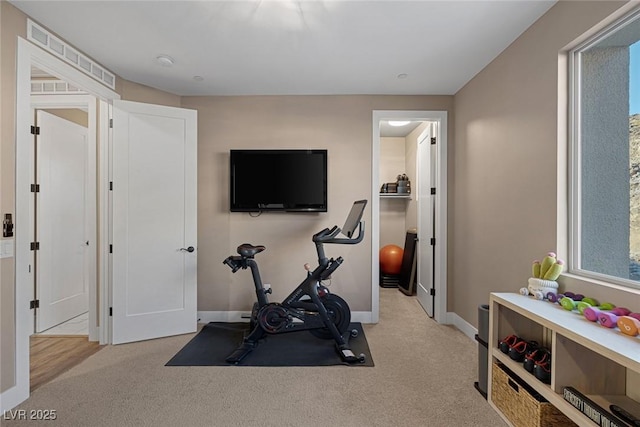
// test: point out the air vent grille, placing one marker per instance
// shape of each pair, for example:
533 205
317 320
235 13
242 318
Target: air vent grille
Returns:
43 38
48 87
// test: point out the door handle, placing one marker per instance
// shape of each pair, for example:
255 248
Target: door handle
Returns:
189 249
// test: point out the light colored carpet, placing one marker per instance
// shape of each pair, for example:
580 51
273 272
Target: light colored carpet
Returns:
423 376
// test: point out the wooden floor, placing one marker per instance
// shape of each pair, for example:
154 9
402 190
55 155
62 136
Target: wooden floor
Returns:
53 355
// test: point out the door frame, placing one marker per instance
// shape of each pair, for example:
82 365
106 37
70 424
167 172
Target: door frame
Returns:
27 55
440 265
88 102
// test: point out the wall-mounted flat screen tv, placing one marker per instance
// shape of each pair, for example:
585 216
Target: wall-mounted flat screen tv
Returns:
278 180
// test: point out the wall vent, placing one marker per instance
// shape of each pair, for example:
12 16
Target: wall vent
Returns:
43 38
53 87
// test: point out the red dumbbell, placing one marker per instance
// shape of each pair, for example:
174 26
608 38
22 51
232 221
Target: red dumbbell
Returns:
629 325
591 313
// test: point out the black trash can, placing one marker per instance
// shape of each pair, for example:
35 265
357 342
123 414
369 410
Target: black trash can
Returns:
483 347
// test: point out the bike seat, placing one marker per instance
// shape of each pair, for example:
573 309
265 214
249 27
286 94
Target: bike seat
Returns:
248 250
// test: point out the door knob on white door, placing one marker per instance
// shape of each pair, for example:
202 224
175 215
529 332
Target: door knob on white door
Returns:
189 249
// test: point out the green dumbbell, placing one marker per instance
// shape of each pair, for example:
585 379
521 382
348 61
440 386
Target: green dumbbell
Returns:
590 302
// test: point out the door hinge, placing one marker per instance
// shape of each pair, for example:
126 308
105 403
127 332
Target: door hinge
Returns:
35 130
35 246
432 291
34 304
110 185
433 241
110 311
433 140
433 190
35 188
110 249
111 123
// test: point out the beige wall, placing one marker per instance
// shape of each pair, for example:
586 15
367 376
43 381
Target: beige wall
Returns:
503 195
392 211
130 91
74 115
341 124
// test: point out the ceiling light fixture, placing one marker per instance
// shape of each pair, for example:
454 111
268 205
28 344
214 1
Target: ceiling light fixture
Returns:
399 122
165 60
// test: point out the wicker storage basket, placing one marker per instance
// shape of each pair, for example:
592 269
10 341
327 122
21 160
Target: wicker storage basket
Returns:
520 404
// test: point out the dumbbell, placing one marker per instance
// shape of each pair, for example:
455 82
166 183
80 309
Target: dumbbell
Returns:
575 297
610 320
591 313
571 303
590 302
553 297
629 325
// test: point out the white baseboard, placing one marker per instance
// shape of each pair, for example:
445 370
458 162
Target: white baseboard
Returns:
363 317
243 316
11 398
223 316
465 327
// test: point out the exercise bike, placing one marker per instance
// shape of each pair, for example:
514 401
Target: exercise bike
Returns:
310 306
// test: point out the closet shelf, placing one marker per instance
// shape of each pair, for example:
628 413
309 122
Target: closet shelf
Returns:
404 196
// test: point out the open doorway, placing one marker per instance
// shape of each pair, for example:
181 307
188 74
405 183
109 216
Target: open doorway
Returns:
29 56
64 205
64 227
424 208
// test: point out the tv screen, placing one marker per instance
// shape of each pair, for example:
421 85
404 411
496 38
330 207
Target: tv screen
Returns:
278 180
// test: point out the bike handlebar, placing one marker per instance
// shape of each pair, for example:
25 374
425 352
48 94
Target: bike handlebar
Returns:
329 236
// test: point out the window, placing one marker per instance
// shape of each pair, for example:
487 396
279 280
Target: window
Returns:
605 155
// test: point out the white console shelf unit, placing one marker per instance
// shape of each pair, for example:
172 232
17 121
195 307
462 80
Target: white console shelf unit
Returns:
602 363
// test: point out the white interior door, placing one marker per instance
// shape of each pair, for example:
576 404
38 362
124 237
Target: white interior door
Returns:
154 221
425 287
62 260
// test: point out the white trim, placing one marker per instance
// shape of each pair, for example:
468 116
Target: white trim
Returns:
27 55
10 398
243 316
87 102
61 49
440 281
572 187
104 226
462 325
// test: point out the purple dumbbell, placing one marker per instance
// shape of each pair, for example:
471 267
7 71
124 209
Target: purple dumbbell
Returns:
575 297
592 313
553 297
611 320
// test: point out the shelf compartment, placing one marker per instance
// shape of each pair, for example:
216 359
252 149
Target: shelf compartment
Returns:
521 404
405 196
577 366
513 323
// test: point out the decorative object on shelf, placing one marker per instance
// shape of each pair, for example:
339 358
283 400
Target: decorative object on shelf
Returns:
544 277
401 186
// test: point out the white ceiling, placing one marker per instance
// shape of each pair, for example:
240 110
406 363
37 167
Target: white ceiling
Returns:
291 47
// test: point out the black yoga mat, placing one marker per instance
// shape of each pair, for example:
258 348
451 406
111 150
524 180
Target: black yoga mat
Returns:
217 340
